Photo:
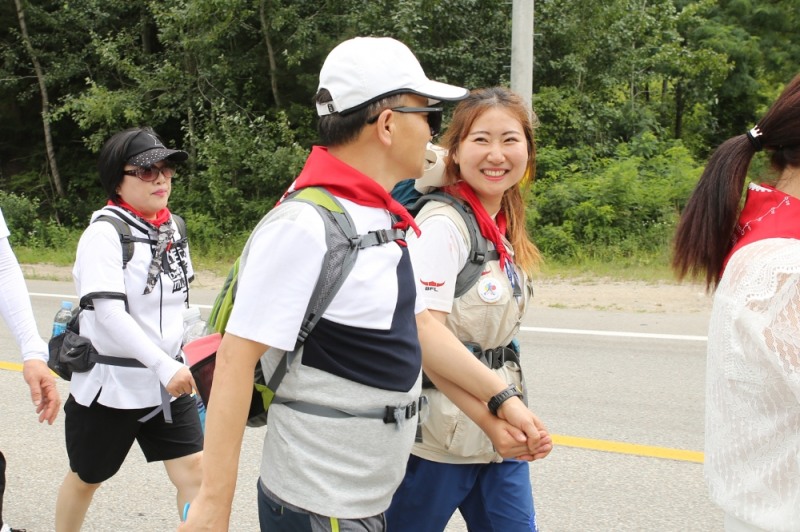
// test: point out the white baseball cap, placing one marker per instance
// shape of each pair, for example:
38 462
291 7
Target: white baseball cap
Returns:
362 70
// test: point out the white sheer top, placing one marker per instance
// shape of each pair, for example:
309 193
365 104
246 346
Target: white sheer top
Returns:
752 450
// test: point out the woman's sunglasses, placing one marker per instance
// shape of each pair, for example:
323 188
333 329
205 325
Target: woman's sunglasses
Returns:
148 175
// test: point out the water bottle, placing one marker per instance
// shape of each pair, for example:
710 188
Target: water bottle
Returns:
62 318
193 328
193 325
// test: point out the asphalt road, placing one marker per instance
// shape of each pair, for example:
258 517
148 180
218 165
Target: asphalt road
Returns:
622 394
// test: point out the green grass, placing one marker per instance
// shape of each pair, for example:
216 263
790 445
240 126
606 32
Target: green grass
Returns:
653 268
57 257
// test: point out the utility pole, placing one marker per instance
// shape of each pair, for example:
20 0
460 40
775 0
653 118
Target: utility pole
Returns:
522 48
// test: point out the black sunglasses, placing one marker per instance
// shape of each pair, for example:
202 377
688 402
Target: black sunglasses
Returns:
434 116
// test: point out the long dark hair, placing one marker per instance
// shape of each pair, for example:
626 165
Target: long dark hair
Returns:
704 235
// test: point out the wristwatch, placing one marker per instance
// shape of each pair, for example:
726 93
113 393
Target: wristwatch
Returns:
502 397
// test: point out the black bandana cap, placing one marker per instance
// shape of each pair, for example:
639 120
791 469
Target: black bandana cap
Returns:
145 150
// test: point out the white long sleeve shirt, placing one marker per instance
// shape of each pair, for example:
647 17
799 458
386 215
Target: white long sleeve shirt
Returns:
15 303
752 454
151 332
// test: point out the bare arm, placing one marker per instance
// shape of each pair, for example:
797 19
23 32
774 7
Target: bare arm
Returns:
225 423
452 368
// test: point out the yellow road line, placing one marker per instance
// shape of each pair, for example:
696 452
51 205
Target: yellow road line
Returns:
629 448
571 441
13 366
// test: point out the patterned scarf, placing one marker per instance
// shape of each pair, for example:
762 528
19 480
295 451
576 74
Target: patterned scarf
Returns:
342 180
767 213
163 225
492 230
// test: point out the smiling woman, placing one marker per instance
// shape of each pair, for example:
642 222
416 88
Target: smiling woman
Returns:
490 150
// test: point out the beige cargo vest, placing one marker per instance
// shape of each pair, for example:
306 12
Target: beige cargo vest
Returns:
489 315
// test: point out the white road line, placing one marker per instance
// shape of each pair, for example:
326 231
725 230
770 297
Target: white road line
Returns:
585 332
588 332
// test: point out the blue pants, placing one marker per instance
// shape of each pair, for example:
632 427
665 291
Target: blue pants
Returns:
494 497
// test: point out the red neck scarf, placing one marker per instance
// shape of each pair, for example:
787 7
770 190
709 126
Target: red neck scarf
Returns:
492 230
161 216
342 180
767 213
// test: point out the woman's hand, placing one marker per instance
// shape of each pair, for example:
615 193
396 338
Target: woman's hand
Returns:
517 414
44 393
182 383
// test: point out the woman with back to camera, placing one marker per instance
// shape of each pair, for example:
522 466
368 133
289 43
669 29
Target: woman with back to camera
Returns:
135 315
751 257
490 151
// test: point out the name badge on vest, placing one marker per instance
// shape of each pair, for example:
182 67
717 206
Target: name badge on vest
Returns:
489 289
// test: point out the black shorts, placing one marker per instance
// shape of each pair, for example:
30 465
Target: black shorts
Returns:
99 438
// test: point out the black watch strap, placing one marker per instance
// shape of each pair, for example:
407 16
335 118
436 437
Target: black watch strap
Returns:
502 397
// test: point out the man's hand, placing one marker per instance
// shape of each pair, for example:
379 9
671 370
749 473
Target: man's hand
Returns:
182 383
44 393
515 412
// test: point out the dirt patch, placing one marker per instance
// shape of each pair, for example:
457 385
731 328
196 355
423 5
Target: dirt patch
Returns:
628 296
579 293
49 272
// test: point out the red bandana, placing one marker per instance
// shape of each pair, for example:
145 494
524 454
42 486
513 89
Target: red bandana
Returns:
767 213
342 180
161 216
491 230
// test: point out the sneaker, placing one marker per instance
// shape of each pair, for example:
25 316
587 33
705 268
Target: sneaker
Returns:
6 528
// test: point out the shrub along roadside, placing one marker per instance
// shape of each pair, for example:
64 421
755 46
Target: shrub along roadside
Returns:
589 213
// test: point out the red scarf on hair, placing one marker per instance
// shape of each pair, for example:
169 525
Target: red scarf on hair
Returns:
492 230
161 216
342 180
767 213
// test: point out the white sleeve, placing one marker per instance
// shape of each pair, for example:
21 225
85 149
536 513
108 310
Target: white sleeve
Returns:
282 266
15 304
779 331
438 254
130 341
98 268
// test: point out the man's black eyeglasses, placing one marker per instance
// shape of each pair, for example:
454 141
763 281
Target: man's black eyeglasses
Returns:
148 175
434 116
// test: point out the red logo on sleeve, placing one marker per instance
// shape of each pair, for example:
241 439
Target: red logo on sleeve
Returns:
431 285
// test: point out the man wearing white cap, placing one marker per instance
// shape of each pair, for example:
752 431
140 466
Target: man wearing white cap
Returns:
320 473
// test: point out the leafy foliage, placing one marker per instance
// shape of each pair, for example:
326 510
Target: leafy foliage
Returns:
631 95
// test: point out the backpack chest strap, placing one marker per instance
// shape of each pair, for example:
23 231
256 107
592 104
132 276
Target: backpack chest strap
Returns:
378 238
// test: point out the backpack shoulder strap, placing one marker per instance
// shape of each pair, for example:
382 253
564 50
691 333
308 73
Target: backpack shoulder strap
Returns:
180 223
479 253
343 244
124 232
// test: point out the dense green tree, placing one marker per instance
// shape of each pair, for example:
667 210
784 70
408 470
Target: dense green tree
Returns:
627 92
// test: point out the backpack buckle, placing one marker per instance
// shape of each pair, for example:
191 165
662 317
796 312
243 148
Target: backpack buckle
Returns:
382 236
393 414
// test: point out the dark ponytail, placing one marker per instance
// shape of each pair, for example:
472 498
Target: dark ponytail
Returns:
704 235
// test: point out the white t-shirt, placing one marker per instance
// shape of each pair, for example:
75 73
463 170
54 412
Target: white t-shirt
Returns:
150 332
363 354
15 304
752 449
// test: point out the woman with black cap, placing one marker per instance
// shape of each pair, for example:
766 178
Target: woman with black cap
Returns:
133 290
